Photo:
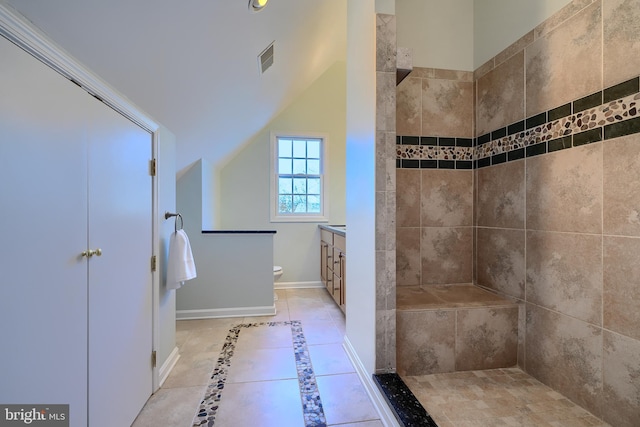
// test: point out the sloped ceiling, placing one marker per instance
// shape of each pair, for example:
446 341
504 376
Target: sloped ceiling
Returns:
192 65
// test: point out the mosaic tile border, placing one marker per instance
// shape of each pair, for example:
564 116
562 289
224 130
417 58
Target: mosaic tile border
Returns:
603 115
309 394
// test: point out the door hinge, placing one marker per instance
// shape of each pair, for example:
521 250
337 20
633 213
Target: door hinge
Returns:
154 358
153 167
154 263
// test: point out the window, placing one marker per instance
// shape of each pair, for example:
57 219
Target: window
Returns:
297 186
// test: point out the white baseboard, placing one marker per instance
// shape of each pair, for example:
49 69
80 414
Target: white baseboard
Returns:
213 313
297 285
386 414
168 365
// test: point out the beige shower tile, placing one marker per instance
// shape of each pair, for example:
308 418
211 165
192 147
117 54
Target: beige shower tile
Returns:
501 263
408 263
447 108
566 354
564 190
486 338
621 40
386 162
501 195
567 12
465 296
446 254
501 95
386 50
621 403
446 198
565 64
415 297
564 273
622 186
382 220
408 197
456 75
386 279
515 47
621 291
386 101
425 341
409 107
385 339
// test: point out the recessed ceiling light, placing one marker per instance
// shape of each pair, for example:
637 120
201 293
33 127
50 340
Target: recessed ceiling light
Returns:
257 5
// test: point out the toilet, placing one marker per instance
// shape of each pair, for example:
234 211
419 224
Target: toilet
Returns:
277 272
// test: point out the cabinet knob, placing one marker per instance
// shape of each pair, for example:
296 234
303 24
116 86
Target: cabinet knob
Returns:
91 252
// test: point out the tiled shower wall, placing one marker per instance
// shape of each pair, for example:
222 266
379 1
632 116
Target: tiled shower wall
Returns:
386 53
556 197
434 221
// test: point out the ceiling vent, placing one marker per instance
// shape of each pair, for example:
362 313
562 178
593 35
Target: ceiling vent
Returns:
265 59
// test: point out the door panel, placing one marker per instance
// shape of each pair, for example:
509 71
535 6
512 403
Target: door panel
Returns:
120 293
43 197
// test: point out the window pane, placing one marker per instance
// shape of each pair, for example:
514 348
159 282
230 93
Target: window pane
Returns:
285 185
299 204
284 166
299 148
313 167
299 166
313 186
284 147
300 186
285 204
313 205
313 149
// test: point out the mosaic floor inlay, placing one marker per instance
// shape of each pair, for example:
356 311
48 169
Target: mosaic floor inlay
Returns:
309 394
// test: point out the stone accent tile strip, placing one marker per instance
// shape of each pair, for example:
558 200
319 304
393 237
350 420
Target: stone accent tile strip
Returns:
545 132
310 396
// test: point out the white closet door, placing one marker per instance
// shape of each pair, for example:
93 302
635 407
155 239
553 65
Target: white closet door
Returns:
43 230
120 293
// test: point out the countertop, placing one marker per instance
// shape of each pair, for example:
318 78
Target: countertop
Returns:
340 230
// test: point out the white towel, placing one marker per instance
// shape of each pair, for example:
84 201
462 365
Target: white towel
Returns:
180 265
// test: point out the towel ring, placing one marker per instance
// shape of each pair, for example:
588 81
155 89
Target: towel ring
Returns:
168 215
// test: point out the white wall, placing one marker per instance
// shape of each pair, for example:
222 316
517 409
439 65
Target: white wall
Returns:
440 33
498 23
360 179
234 271
244 181
464 34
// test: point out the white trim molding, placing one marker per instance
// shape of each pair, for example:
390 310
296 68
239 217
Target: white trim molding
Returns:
298 285
386 414
168 365
21 32
214 313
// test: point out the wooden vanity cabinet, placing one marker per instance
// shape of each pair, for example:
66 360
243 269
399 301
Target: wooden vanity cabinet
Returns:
333 265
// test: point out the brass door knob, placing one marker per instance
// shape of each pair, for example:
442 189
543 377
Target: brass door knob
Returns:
91 252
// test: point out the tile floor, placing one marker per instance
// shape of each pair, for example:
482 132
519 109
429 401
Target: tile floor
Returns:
498 397
262 387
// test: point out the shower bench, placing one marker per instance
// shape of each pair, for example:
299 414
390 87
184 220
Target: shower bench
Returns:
448 328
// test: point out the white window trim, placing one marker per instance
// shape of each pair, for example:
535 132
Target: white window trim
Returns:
273 192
